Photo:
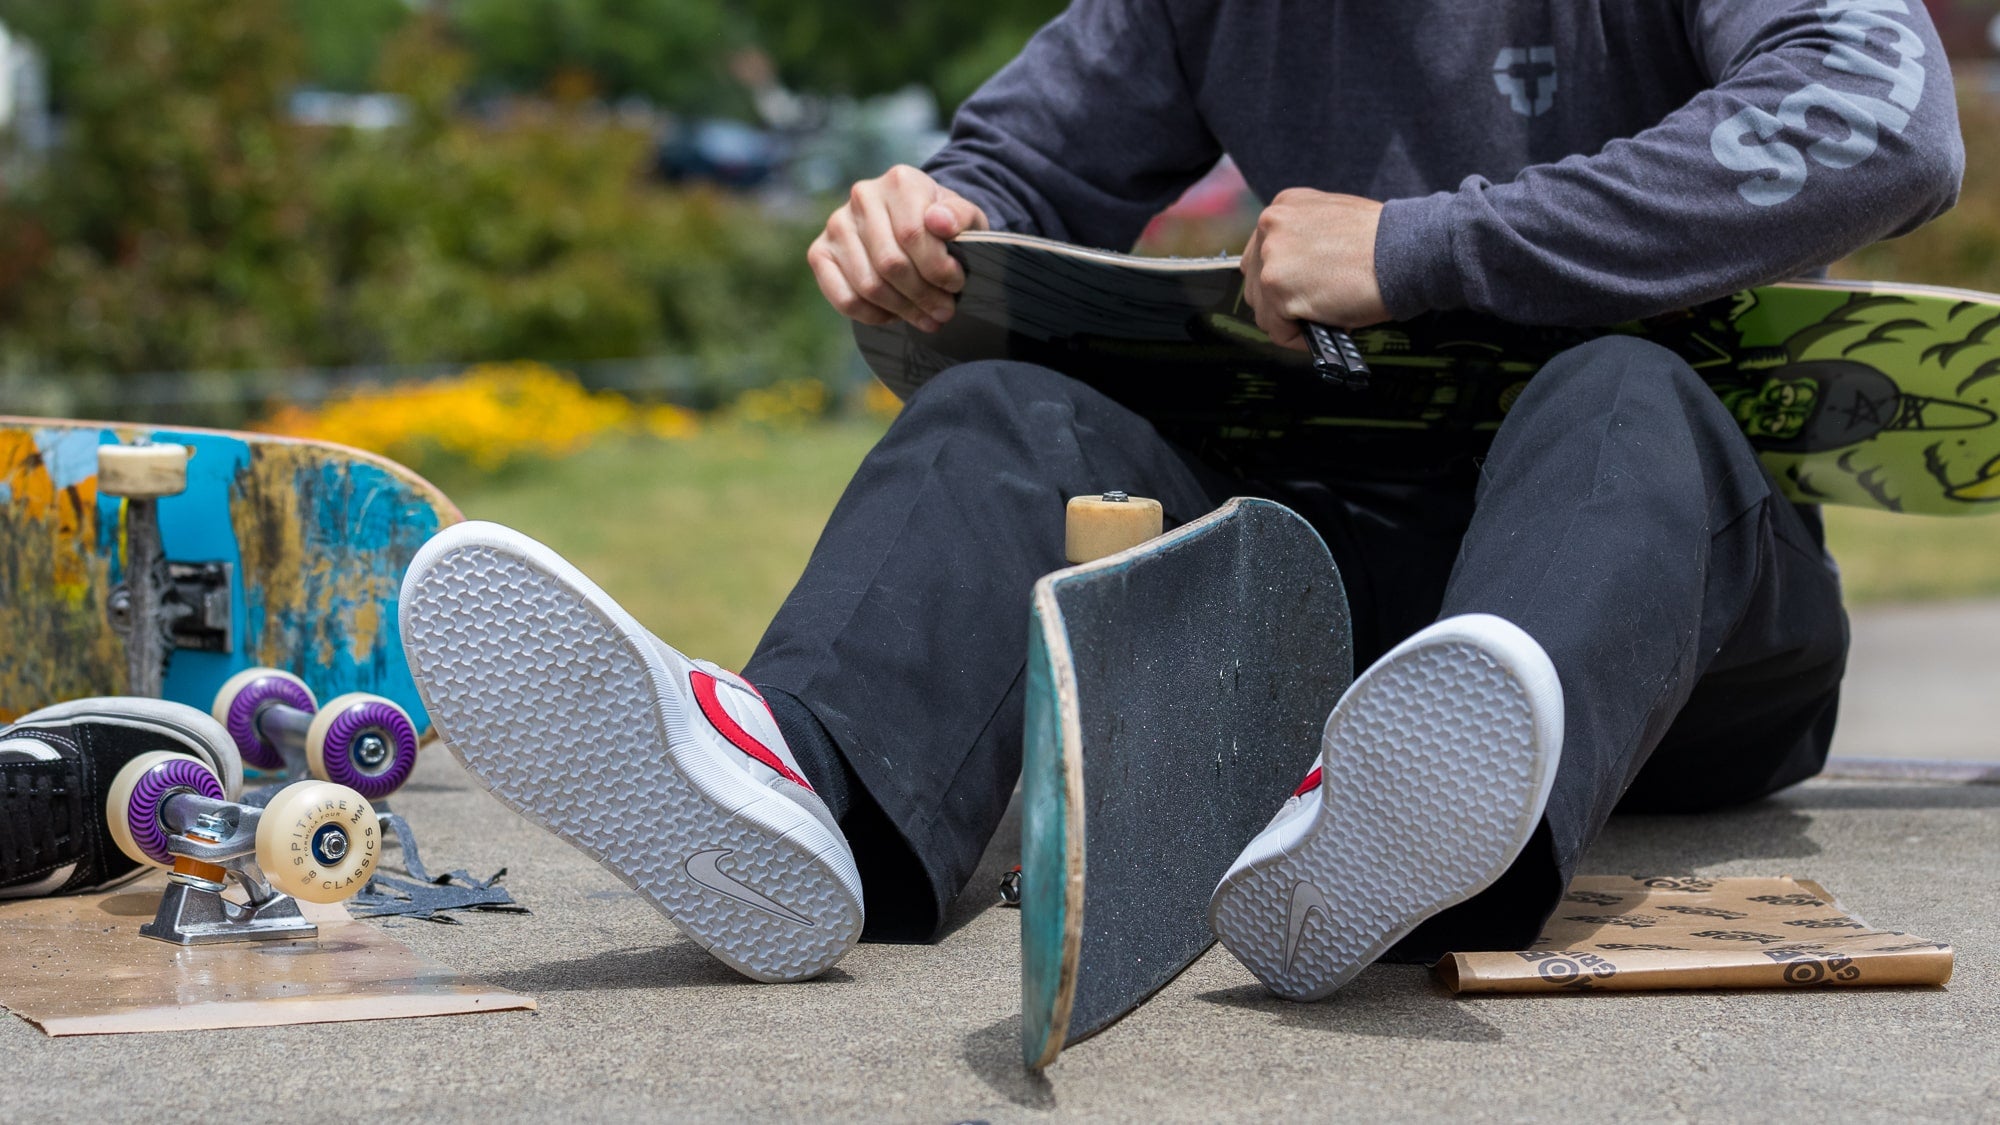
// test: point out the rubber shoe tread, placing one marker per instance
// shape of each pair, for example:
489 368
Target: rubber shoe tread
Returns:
568 711
1436 767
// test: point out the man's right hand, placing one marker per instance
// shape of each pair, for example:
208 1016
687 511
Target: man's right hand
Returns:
882 255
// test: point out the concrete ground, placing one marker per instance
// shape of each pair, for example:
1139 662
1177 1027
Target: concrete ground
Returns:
636 1023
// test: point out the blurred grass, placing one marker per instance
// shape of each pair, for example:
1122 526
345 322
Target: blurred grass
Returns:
1885 557
701 538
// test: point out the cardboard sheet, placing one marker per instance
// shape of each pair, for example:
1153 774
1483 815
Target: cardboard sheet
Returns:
77 966
1615 933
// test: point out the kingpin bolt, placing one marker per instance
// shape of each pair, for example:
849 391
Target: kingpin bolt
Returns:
210 826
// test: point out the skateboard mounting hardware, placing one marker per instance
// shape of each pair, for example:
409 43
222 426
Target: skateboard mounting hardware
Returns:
161 606
1010 887
194 607
312 840
211 846
1336 357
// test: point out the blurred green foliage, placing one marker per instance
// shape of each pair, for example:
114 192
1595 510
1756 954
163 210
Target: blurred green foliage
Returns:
674 52
188 224
343 38
868 46
173 224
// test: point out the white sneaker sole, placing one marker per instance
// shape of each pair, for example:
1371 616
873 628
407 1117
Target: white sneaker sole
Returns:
1436 767
555 700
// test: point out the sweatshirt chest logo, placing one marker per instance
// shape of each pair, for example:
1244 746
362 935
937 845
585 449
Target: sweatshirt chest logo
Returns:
1527 77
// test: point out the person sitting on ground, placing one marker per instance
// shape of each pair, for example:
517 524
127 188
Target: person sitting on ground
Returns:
1609 605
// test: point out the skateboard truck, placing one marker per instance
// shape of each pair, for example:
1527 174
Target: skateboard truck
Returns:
1336 356
192 910
319 842
160 606
361 741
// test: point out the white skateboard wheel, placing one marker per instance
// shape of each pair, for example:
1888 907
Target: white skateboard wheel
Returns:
246 693
138 796
1096 526
142 472
318 841
364 742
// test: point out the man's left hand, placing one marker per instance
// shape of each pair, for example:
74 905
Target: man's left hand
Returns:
1313 258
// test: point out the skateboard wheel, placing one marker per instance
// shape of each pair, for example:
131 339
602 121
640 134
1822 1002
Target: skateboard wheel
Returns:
142 472
248 692
1096 526
318 841
139 795
364 742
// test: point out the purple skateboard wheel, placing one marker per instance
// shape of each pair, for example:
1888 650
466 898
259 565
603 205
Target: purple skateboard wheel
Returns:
241 719
370 747
149 795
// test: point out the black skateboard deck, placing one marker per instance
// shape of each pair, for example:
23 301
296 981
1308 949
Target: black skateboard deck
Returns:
1176 693
1882 396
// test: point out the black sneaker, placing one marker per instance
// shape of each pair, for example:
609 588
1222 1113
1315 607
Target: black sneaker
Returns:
56 766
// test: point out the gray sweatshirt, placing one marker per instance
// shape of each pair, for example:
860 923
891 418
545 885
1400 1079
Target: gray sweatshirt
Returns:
1548 161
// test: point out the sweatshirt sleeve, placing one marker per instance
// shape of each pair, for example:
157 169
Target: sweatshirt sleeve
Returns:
1090 131
1831 124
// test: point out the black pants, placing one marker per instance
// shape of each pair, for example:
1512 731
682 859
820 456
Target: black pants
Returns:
1619 517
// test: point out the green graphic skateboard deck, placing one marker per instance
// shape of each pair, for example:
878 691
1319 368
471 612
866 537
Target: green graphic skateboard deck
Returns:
275 552
1176 692
1880 396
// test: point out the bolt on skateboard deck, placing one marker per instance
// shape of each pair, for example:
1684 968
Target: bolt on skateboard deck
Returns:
1176 692
276 552
1874 395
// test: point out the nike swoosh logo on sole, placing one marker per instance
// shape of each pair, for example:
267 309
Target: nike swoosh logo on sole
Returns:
1306 898
701 867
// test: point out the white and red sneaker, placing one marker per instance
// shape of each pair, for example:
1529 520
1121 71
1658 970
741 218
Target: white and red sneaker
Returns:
1433 772
670 772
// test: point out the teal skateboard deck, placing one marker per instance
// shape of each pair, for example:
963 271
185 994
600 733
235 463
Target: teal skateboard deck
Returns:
1874 395
292 552
1176 692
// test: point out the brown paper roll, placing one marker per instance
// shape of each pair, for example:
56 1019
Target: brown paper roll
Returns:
1102 525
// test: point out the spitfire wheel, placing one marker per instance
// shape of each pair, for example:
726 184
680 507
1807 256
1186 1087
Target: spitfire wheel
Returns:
249 692
318 841
363 742
138 797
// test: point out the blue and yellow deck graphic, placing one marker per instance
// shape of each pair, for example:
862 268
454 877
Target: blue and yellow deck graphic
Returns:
317 537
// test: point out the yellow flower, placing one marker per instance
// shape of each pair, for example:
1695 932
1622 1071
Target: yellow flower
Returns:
488 417
781 405
880 401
